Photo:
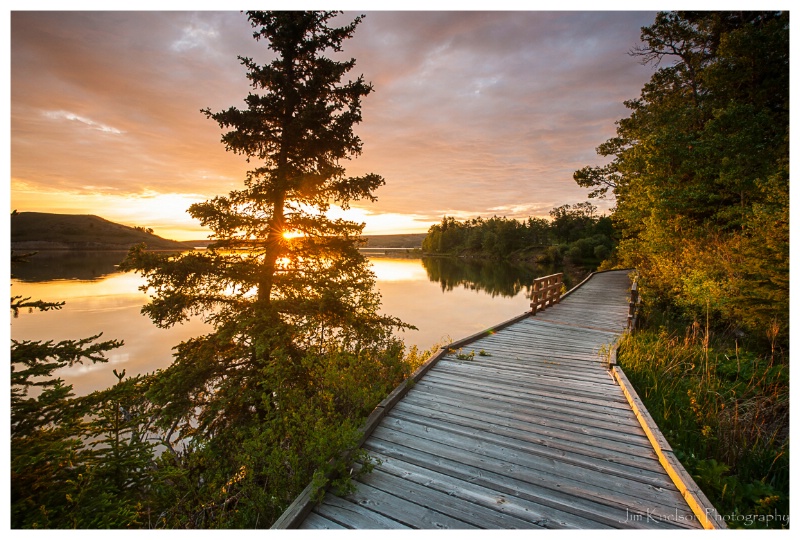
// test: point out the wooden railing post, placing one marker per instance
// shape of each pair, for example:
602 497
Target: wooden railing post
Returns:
546 292
633 307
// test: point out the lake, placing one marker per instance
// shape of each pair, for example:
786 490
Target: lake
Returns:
445 298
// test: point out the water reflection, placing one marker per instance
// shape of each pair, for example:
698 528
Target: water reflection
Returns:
386 269
99 300
446 299
82 265
496 278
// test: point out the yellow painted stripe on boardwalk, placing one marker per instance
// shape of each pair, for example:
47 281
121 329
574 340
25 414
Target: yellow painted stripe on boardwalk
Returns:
700 510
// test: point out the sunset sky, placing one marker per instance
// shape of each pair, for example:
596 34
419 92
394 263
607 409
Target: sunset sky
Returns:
473 113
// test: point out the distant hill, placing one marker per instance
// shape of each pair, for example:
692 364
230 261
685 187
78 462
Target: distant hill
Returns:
409 241
39 231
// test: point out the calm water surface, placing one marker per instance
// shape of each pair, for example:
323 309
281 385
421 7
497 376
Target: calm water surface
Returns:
446 299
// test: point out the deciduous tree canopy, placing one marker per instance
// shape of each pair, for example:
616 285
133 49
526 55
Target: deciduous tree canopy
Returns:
700 169
574 230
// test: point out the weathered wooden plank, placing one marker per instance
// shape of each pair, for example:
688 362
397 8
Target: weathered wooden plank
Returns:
546 331
553 338
555 437
604 388
569 507
600 296
534 371
403 510
590 426
533 362
443 501
510 511
551 322
592 375
536 449
582 476
523 350
527 364
542 388
533 354
591 302
548 419
316 521
568 398
574 316
542 326
578 320
503 367
550 333
353 516
530 401
623 463
537 383
591 311
551 506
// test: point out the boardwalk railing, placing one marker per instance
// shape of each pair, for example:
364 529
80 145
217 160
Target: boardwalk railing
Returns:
546 292
633 307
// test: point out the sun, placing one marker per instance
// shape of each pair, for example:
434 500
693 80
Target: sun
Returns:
289 235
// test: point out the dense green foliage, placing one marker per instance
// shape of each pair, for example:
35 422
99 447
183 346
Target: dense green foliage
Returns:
75 462
574 231
700 172
700 169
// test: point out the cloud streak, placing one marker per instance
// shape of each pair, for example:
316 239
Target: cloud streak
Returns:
65 115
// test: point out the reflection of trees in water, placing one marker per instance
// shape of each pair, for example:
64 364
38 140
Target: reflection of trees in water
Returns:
493 277
82 265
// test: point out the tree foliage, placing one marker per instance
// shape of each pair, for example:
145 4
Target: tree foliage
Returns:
76 462
700 171
299 351
575 230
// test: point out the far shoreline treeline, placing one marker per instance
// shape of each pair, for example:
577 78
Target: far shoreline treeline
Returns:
575 233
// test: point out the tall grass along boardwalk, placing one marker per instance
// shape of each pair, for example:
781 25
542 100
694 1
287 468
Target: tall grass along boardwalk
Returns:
526 425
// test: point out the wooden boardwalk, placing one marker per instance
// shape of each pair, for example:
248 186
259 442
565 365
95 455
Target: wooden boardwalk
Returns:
524 426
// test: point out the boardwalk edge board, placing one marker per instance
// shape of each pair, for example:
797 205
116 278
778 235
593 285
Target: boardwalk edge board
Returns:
705 512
